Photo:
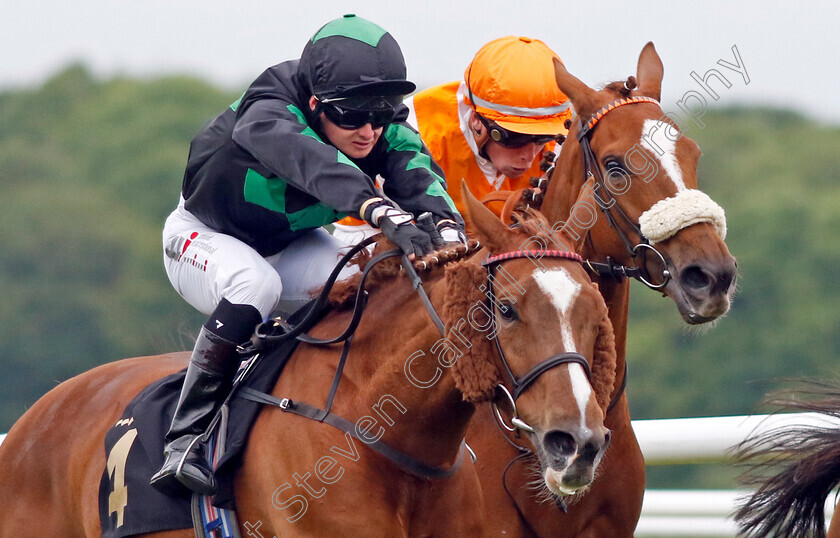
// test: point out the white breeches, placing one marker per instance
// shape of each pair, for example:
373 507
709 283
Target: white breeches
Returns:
205 266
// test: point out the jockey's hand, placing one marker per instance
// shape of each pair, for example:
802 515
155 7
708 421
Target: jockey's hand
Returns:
425 223
451 232
398 228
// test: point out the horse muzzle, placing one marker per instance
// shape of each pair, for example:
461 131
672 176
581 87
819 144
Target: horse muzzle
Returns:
699 273
703 290
570 459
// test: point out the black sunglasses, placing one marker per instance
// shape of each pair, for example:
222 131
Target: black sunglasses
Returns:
347 118
510 139
342 113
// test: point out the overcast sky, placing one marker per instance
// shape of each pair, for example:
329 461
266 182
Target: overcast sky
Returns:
788 50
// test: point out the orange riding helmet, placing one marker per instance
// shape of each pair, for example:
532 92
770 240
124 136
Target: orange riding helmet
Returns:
511 83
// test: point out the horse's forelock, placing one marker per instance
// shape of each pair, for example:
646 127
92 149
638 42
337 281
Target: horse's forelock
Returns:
532 223
619 87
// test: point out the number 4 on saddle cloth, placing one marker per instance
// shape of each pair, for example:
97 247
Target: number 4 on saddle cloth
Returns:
128 505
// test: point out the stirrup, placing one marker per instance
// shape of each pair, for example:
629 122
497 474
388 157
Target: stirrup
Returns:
202 488
173 481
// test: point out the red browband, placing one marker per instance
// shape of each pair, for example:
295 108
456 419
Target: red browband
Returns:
532 254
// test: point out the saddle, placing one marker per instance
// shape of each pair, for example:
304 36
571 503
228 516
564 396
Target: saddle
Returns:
128 504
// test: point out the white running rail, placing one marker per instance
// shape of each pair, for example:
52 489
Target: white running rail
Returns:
705 513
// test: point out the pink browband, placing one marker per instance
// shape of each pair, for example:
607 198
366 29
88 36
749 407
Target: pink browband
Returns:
615 104
532 254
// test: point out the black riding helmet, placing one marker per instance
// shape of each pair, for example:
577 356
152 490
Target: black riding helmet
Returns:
352 64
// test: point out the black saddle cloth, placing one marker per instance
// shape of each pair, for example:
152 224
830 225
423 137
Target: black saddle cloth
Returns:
128 505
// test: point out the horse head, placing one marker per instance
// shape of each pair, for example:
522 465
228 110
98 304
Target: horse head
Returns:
541 344
639 204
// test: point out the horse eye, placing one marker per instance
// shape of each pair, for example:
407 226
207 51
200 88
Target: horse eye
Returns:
507 312
613 165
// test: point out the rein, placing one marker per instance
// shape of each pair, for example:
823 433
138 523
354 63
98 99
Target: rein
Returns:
262 339
592 170
401 459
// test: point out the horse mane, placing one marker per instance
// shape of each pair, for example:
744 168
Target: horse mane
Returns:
344 292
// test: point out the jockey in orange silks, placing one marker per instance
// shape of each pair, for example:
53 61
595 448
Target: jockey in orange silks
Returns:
491 128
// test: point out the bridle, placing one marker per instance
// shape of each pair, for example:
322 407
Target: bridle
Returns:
592 170
520 384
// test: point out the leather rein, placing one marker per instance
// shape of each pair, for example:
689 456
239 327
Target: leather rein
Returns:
401 459
263 339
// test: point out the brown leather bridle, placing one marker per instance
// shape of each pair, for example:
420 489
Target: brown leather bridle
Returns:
592 170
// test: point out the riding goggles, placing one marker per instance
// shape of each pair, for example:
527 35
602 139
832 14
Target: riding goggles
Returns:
356 112
511 139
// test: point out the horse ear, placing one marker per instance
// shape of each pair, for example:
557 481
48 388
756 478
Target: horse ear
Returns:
571 236
649 72
573 233
604 363
581 95
491 230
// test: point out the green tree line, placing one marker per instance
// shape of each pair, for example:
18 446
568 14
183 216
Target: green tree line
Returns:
89 170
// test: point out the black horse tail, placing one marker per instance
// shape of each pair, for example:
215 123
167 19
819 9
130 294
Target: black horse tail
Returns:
792 469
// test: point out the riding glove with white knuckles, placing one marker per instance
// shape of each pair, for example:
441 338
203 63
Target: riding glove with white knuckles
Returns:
398 227
445 233
451 232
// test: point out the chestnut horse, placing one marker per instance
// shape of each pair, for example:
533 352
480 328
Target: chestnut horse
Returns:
402 382
640 214
794 469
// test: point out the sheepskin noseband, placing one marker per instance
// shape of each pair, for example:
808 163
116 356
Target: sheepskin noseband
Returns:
667 217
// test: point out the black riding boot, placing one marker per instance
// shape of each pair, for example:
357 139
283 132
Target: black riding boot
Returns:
208 380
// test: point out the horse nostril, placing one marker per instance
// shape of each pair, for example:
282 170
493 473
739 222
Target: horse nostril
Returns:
559 444
694 277
726 279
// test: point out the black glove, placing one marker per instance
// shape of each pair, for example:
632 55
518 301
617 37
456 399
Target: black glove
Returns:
398 228
425 223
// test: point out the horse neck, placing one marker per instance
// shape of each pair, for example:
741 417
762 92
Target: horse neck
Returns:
562 193
616 294
565 183
428 422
